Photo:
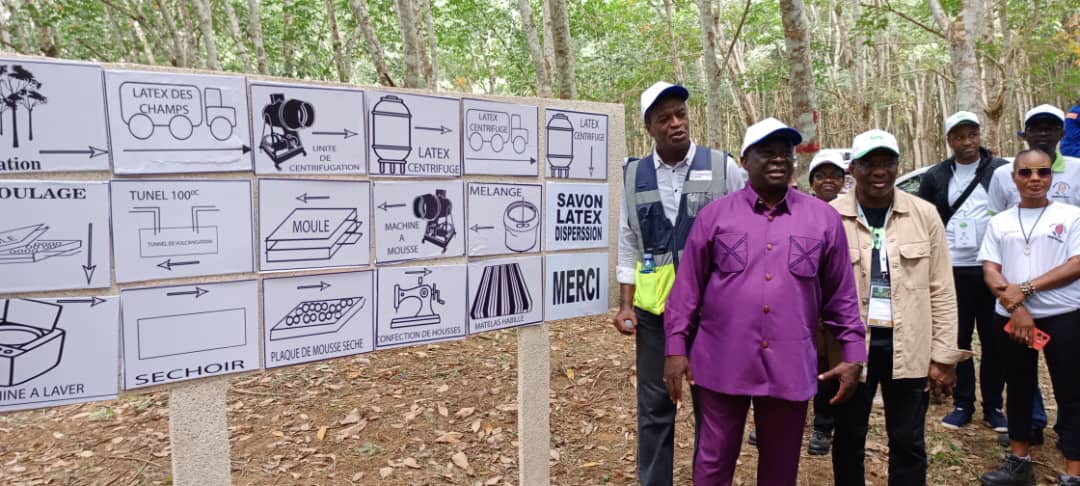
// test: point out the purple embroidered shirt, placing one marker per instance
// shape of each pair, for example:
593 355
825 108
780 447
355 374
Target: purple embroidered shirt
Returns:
761 280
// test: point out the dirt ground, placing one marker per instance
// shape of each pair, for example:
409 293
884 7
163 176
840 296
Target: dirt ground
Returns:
429 415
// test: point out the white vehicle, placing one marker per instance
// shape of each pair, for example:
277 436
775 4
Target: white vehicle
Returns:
911 181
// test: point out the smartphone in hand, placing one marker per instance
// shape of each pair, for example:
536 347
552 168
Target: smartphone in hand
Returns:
1039 340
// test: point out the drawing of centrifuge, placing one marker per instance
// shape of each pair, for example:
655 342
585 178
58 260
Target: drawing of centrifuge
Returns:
314 317
312 234
522 222
30 342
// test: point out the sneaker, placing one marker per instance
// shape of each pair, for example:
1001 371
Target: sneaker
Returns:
996 420
752 439
956 419
1037 437
1066 480
820 443
1013 471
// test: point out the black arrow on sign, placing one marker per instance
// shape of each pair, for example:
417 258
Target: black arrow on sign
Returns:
476 228
530 160
321 286
91 150
442 129
304 198
386 206
243 148
198 292
93 301
590 160
345 132
168 264
425 272
89 268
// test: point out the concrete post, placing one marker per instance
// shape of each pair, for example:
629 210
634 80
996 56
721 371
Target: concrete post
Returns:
199 433
534 389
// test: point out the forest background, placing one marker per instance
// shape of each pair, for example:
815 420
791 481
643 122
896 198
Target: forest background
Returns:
900 65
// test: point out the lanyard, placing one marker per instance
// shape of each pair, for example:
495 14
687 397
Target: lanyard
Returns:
878 238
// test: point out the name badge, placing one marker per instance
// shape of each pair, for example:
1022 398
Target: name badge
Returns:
879 312
964 235
701 175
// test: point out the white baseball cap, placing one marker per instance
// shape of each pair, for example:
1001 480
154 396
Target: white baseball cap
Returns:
828 157
871 140
960 117
1044 110
659 90
764 129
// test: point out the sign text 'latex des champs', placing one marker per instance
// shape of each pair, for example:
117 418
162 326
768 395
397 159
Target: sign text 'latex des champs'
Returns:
414 135
169 122
53 117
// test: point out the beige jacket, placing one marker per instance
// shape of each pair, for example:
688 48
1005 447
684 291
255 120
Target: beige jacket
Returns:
923 292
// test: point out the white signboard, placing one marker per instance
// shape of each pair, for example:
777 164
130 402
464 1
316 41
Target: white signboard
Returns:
313 224
306 129
54 235
169 122
576 216
500 138
53 117
577 144
189 331
317 317
414 135
576 284
181 228
505 293
420 305
416 220
58 351
504 218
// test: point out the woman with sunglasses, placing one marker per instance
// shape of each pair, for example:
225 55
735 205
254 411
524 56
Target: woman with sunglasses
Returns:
1031 260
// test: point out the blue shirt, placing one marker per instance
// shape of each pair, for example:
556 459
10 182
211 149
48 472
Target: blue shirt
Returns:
1070 144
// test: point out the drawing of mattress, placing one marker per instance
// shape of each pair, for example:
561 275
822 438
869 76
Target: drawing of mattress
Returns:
195 332
22 245
313 234
502 292
314 317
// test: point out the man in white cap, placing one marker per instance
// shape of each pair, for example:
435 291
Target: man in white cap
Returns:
663 194
1044 127
908 301
761 269
958 186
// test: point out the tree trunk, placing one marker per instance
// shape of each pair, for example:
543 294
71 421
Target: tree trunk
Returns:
962 34
206 26
564 50
148 51
543 80
286 37
191 42
800 68
344 68
255 23
711 70
432 44
237 37
421 42
114 26
371 40
673 44
548 45
410 41
179 51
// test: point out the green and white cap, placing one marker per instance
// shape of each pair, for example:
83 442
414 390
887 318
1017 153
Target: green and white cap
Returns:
869 141
959 118
1044 111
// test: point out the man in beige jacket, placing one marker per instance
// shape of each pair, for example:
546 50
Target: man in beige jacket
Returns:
907 299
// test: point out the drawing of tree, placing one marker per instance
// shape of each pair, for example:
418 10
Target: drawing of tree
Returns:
16 85
31 100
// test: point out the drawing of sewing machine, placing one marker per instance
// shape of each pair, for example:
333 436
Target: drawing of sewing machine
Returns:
425 315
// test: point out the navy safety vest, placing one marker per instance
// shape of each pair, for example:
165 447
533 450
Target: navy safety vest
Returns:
657 235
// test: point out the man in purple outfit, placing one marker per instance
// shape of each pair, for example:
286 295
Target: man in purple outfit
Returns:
761 267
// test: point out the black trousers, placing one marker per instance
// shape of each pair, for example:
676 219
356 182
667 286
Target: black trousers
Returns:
905 422
1021 376
975 306
656 411
823 412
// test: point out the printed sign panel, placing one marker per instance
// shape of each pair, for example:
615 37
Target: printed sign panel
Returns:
169 122
576 217
504 218
181 228
53 117
307 129
414 135
420 305
54 235
187 332
500 138
577 144
317 317
58 351
416 220
576 284
313 224
505 293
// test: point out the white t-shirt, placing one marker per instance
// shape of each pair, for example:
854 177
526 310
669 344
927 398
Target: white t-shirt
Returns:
973 212
1065 187
1055 238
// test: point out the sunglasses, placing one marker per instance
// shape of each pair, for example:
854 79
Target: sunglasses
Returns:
1026 172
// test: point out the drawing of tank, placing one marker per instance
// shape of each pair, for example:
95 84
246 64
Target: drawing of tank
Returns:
560 145
181 107
391 134
496 128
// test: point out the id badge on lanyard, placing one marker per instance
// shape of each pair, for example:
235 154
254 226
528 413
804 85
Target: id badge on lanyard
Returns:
879 310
